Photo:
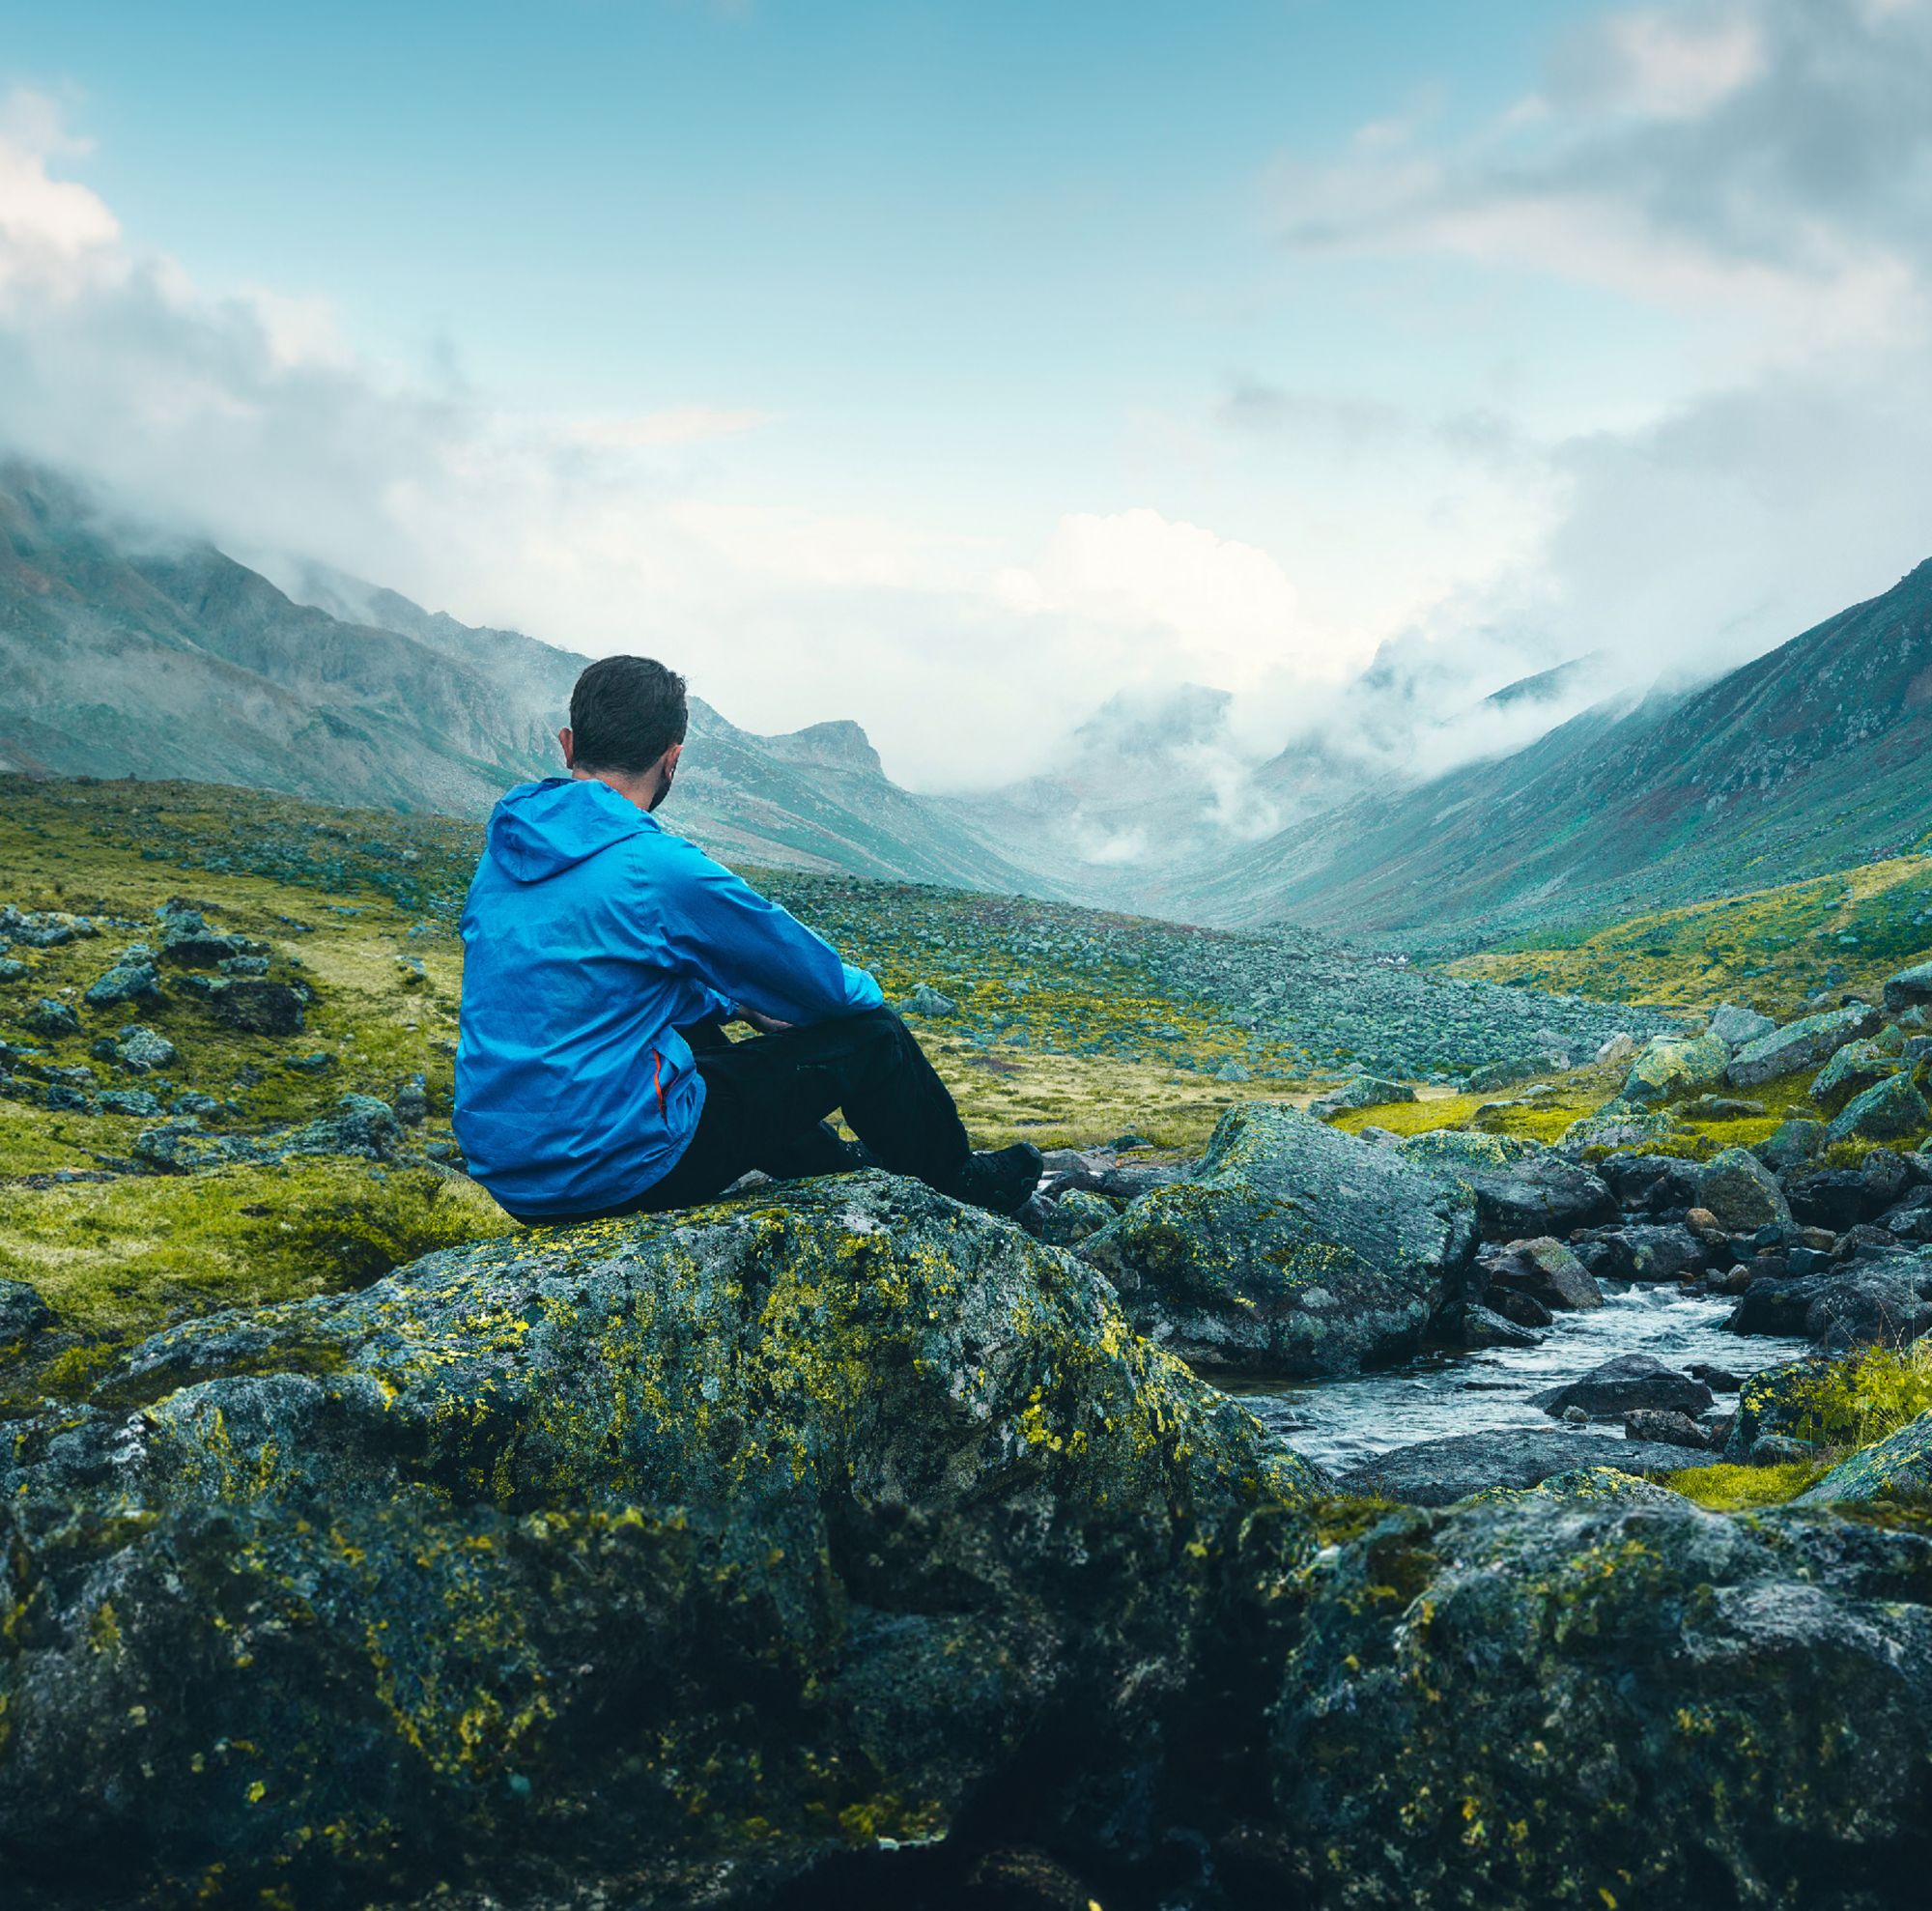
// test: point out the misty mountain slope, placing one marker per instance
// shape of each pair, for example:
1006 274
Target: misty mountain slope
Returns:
122 654
1809 759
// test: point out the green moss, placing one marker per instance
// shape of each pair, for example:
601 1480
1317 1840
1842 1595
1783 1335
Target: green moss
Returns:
1852 1403
1741 1489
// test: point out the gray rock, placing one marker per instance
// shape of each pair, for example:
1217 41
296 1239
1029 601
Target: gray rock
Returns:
1624 1384
1546 1271
140 1049
1293 1250
1780 1450
928 1001
1736 1027
1641 1252
1361 1092
1493 1076
1665 1428
1741 1193
1077 1216
1483 1327
1791 1145
825 1503
51 1018
1521 1189
1616 1049
1894 1110
1910 989
411 1101
252 1005
1854 1068
1670 1068
132 979
22 1314
132 1101
1439 1472
1614 1126
1807 1043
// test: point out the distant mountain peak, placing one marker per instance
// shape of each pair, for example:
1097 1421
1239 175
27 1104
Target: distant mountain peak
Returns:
838 745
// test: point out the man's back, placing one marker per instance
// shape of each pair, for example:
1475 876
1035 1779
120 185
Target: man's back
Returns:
590 938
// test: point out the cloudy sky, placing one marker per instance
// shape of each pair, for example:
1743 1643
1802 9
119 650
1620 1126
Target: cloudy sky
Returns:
953 365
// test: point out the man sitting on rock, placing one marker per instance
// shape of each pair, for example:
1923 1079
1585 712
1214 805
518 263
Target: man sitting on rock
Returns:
602 958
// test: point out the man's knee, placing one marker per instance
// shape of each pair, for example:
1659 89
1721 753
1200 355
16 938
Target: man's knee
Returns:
883 1028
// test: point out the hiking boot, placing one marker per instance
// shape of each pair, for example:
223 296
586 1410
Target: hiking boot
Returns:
1002 1180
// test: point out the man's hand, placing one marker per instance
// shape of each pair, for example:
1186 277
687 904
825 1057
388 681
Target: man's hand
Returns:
764 1024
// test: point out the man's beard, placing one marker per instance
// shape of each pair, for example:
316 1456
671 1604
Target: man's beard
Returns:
664 789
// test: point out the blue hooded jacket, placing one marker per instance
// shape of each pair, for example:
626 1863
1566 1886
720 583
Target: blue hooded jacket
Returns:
590 937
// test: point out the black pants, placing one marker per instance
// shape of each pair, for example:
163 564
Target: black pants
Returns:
766 1100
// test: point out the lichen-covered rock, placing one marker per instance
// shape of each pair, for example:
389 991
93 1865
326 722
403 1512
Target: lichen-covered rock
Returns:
1807 1043
139 1050
1670 1068
1790 1145
1532 1704
252 1004
662 1551
1521 1188
1741 1193
1493 1076
1616 1126
1079 1214
1854 1068
51 1018
361 1125
1439 1472
1892 1110
188 942
1360 1091
1736 1026
132 979
1899 1467
1292 1250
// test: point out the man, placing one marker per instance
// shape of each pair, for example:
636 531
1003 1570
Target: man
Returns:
602 956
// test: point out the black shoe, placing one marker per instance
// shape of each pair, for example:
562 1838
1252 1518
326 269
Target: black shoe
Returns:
1003 1180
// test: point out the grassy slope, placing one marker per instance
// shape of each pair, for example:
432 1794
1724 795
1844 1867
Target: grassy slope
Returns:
1771 947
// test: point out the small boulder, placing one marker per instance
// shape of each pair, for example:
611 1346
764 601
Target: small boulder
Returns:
1624 1384
1854 1068
1493 1076
1639 1252
1548 1272
133 977
1616 1050
1669 1069
1666 1428
255 1006
1741 1193
1439 1472
928 1001
1807 1043
1360 1091
1616 1126
1483 1327
1736 1026
1910 989
411 1101
139 1050
1894 1110
1077 1216
51 1018
1521 1189
22 1314
1791 1145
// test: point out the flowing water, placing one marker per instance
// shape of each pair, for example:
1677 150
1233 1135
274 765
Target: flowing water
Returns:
1340 1423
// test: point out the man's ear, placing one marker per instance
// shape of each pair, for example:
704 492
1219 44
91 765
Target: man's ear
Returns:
671 757
567 743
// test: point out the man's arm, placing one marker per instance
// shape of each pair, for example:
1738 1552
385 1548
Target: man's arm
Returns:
753 952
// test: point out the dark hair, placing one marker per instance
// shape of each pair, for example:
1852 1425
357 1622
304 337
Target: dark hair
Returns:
625 713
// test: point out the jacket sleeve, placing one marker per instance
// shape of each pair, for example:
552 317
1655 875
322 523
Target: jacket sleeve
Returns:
750 952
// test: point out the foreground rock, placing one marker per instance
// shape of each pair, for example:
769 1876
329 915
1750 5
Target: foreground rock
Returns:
631 1551
1439 1472
1807 1043
1293 1250
1899 1467
1629 1704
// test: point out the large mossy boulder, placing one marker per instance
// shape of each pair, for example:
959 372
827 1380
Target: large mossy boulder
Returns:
1521 1189
1892 1110
1530 1705
1670 1068
1741 1193
1899 1467
1292 1250
1807 1043
663 1550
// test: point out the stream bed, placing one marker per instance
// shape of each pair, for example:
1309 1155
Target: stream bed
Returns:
1340 1423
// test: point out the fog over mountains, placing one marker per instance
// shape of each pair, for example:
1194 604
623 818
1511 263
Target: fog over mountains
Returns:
1399 814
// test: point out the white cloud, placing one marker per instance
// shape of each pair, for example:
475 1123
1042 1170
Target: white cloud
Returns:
680 424
1212 606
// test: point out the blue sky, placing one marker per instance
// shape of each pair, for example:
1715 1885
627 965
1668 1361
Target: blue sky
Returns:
868 355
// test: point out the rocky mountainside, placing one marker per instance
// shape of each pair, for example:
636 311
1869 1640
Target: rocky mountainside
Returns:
1811 758
123 654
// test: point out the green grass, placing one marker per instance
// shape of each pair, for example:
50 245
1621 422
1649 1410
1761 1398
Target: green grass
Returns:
1771 947
1745 1489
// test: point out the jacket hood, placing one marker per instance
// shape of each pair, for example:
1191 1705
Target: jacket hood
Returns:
538 829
